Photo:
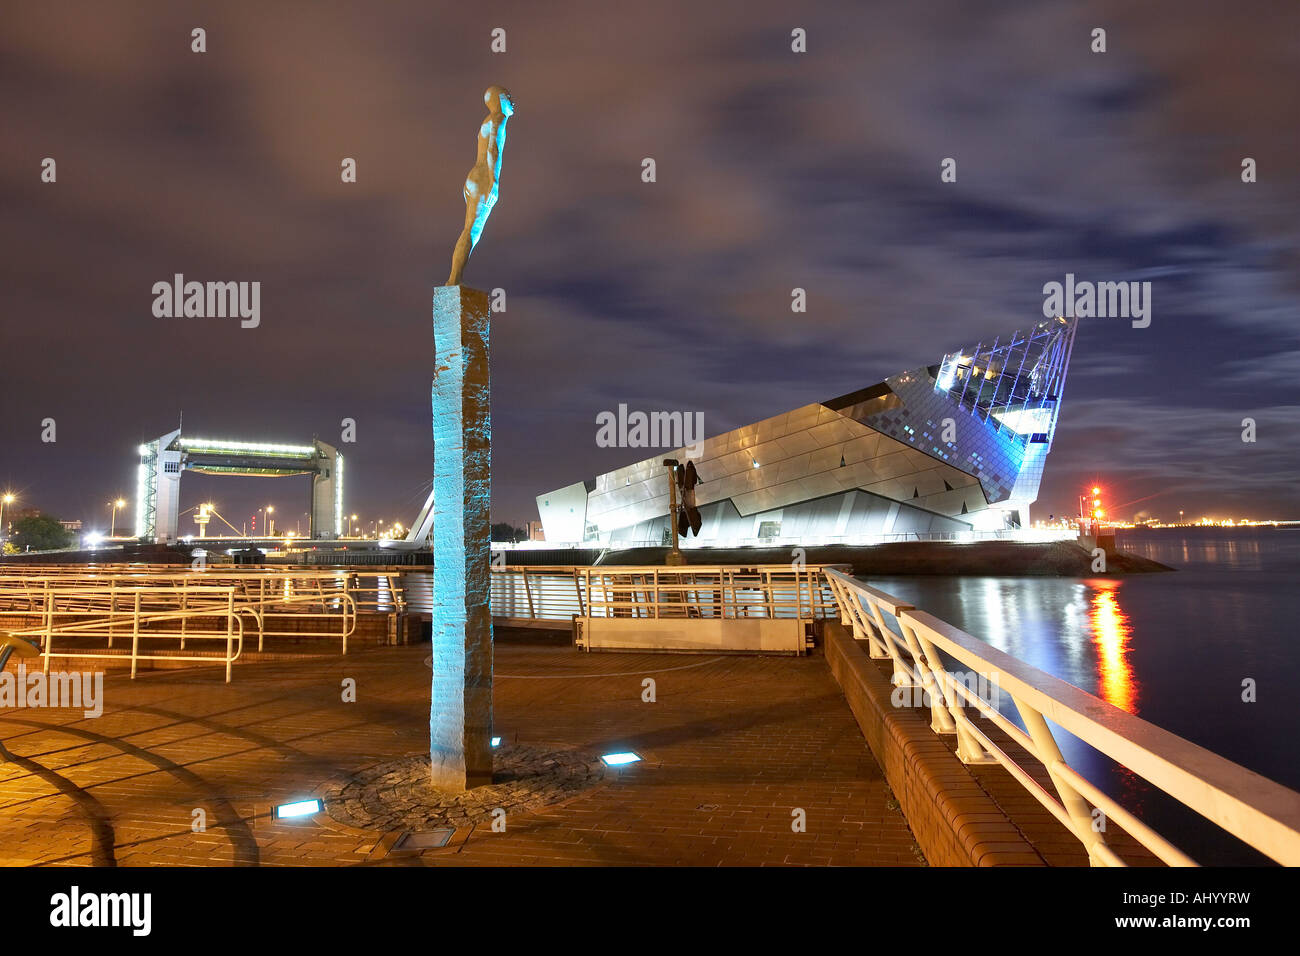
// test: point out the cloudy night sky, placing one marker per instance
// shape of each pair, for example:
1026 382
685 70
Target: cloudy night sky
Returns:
775 170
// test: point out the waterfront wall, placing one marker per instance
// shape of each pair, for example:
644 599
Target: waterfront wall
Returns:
955 822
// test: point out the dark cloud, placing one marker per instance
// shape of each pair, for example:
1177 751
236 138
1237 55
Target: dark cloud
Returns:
775 171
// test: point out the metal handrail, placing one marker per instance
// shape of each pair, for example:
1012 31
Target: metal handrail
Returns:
561 592
143 617
1254 809
72 605
373 589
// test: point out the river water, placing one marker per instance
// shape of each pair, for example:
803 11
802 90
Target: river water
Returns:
1172 648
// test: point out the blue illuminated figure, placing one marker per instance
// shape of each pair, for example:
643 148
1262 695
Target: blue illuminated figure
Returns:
483 180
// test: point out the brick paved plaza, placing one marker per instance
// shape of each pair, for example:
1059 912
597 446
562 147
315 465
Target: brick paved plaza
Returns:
731 747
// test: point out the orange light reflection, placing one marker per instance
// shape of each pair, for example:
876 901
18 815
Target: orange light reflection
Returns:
1110 633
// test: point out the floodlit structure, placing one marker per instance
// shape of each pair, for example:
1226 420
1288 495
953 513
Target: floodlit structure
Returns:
165 459
938 451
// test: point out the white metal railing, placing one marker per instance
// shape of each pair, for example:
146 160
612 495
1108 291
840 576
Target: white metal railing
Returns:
111 603
1254 809
372 589
524 593
142 614
560 593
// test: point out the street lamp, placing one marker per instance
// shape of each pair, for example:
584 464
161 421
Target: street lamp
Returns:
1090 515
350 520
112 524
270 521
8 499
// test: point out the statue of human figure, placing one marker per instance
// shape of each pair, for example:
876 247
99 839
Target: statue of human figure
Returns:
482 182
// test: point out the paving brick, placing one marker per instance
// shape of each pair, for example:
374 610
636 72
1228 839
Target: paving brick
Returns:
752 736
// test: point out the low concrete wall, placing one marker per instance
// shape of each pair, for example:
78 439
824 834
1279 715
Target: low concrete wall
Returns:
706 635
955 822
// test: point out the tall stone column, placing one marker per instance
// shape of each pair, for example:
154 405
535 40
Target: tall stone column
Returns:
460 716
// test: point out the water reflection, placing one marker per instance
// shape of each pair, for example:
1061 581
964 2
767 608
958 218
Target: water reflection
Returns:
1169 644
1110 635
1240 549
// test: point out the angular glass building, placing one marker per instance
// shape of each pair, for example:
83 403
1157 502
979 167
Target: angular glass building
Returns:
947 448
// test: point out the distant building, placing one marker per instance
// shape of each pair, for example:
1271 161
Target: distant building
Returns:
535 531
946 448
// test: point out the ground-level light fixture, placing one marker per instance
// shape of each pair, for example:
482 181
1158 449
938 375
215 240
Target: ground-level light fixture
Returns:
301 808
619 759
496 741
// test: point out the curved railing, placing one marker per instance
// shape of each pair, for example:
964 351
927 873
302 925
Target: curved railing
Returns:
1254 809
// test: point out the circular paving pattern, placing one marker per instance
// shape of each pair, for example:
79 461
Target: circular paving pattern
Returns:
396 794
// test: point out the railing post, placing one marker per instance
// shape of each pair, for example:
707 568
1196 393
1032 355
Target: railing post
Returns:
349 617
841 599
862 628
869 626
928 667
577 586
230 627
135 634
969 749
112 607
882 643
1050 754
47 616
941 721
